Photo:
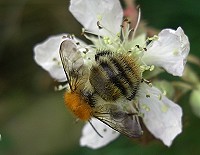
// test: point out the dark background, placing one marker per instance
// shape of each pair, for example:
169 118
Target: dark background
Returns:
33 118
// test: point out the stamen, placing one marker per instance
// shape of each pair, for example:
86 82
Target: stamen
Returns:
125 20
164 92
140 48
145 49
110 32
69 36
123 34
151 68
99 25
88 32
147 82
82 31
150 40
137 24
145 107
64 37
60 87
107 40
86 50
125 31
148 95
80 47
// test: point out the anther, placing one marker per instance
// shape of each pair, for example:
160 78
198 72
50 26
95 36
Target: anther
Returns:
99 25
125 20
64 37
86 50
69 36
151 67
60 87
145 49
137 46
147 95
83 32
72 36
164 92
146 81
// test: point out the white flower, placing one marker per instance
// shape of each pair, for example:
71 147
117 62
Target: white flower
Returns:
169 51
162 117
47 55
88 12
89 136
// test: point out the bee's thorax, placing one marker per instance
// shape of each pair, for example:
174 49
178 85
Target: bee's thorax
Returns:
78 105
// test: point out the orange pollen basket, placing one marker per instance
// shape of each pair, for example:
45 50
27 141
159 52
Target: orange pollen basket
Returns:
76 103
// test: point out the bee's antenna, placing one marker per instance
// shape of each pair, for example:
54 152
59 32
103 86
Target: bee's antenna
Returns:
95 129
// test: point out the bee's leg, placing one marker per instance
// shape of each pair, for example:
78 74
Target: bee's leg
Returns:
146 81
95 129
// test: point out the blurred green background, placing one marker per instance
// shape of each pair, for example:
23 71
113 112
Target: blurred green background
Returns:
33 118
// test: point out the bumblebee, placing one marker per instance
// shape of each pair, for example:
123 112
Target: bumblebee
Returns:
105 91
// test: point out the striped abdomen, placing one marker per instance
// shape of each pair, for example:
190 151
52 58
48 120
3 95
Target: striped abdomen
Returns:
115 75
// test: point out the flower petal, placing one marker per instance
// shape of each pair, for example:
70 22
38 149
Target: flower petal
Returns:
169 51
108 12
162 117
92 140
46 54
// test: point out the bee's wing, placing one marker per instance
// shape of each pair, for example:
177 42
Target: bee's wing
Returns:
114 117
73 64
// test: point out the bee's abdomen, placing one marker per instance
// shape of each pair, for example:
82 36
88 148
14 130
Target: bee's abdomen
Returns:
116 75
